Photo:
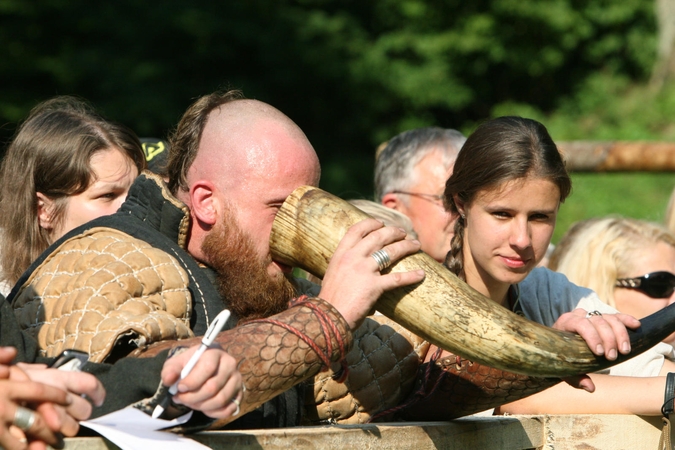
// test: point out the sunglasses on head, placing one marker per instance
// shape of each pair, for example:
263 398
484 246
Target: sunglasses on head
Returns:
655 284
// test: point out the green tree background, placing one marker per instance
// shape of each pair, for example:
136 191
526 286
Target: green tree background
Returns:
350 73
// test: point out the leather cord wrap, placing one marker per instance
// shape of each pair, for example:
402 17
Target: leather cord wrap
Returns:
328 327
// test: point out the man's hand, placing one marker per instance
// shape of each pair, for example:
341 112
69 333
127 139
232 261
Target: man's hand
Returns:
212 385
353 282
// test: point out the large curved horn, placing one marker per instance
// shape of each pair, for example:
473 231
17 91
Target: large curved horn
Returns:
443 309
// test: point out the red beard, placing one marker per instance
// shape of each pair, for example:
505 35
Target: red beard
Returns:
242 279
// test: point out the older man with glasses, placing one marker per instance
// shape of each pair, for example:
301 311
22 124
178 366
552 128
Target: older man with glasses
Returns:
410 175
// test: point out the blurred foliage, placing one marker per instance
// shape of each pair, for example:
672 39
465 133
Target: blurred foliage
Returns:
350 73
636 194
606 108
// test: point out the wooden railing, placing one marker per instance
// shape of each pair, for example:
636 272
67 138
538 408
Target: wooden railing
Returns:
589 156
545 432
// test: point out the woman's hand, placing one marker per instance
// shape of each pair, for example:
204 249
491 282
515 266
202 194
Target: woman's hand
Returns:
46 405
605 334
76 384
39 399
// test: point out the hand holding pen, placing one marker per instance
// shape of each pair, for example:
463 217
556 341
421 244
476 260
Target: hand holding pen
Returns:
205 377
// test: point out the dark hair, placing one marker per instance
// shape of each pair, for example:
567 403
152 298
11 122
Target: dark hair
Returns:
51 154
184 141
500 150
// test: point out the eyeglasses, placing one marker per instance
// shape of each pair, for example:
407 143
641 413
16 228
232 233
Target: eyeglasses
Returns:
438 199
655 284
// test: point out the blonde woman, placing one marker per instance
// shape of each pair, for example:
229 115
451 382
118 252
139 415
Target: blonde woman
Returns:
629 263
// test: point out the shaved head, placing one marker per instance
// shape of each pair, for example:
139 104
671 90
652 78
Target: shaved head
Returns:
231 155
244 139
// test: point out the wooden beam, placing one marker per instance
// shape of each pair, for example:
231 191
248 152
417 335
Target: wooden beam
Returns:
614 156
562 432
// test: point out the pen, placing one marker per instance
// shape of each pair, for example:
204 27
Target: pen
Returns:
207 340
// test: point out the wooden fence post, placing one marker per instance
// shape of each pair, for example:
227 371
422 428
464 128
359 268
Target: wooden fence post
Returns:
614 156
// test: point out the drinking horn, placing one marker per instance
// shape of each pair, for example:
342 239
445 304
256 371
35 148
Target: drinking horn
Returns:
443 309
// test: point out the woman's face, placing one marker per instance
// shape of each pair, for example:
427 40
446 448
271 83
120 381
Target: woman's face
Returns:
655 258
112 175
508 229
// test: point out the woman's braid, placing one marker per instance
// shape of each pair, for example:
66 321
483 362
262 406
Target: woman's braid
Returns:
454 261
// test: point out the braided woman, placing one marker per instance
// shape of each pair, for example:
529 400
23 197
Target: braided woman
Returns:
507 186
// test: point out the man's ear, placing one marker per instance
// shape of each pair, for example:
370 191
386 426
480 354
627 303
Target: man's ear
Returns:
45 211
392 201
204 202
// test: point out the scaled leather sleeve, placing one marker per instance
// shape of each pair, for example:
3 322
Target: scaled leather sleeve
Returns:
278 352
451 387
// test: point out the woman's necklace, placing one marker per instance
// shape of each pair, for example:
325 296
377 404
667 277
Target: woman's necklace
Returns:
513 297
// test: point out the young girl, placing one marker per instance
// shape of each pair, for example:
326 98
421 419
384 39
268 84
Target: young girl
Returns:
65 166
508 183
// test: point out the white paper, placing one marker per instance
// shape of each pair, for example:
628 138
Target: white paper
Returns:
132 429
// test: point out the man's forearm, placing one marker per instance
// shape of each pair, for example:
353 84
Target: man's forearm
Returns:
281 351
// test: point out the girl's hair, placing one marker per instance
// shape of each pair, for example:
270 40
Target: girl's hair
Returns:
50 154
500 150
594 253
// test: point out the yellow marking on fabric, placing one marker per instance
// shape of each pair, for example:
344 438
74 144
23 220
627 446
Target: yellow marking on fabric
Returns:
152 149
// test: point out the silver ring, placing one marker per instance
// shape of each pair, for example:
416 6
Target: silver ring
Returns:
236 403
590 314
24 418
382 259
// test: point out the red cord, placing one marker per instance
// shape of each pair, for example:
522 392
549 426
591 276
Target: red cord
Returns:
327 325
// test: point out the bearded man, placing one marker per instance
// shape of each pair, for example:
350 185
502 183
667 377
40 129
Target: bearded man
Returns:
163 266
